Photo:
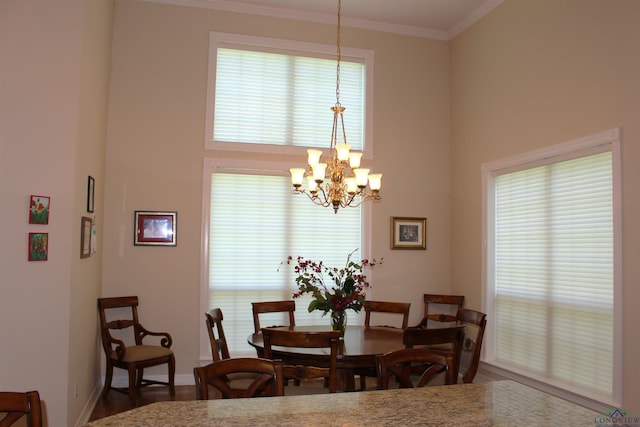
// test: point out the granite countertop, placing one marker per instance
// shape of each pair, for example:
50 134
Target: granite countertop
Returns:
499 403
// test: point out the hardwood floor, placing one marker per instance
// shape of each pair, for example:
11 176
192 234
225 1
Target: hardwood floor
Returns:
116 402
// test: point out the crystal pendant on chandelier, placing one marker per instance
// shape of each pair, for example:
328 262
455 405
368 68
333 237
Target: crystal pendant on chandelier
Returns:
340 182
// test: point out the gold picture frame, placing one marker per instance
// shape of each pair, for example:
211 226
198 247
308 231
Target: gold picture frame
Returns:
408 233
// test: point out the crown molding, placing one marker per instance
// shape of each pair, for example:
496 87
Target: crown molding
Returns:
299 15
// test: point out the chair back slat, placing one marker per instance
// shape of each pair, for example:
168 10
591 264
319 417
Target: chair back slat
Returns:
303 339
455 301
476 323
407 364
260 377
17 405
217 339
287 306
401 308
446 340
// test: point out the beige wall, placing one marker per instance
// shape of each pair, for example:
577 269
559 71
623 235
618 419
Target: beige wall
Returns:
84 350
531 74
52 122
155 151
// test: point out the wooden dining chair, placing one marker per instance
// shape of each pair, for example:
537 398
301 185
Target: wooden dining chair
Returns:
398 308
401 308
414 367
445 340
16 405
287 306
475 323
217 340
132 358
303 339
266 378
453 301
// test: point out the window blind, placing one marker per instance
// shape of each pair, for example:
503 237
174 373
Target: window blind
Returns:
253 232
554 273
285 99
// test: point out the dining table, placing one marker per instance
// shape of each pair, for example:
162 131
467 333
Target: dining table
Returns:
496 403
357 349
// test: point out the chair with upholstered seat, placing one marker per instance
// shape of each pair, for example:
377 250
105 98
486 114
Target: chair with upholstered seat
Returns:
421 364
266 378
217 340
287 306
445 340
396 308
137 355
475 323
453 301
302 339
18 405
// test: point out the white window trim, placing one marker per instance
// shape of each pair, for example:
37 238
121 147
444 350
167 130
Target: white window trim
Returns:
217 39
211 165
602 141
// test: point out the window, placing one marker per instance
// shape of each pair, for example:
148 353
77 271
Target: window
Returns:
252 232
265 92
266 97
551 266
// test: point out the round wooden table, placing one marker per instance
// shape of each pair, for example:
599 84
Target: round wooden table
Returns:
358 349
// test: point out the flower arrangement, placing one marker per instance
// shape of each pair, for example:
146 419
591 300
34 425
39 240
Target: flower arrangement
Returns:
333 289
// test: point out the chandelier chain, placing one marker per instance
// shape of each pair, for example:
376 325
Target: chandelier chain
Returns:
339 55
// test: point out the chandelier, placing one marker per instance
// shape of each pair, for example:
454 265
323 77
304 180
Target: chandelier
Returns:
340 182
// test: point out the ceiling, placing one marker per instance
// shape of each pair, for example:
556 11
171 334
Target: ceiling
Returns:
439 19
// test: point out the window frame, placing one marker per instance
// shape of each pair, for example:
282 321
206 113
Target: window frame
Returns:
291 47
266 167
608 140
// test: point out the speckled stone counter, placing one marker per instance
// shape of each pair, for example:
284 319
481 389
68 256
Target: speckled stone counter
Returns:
500 403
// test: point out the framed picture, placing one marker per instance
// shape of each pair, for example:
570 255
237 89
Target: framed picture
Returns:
38 246
39 207
154 228
91 192
85 237
408 233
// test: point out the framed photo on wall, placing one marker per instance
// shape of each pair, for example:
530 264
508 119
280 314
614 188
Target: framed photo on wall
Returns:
91 194
85 238
153 228
408 233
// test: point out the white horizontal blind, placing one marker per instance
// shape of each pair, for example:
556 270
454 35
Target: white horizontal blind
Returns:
285 99
253 232
554 273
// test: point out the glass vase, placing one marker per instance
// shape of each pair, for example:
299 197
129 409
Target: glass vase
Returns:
339 321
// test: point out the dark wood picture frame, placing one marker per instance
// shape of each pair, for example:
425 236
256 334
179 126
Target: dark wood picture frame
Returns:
155 228
408 233
85 237
91 194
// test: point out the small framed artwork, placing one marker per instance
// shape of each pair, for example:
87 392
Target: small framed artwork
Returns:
91 192
408 233
85 237
152 228
38 246
39 207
